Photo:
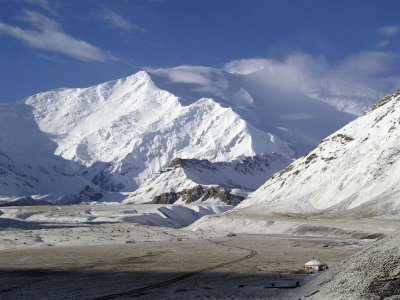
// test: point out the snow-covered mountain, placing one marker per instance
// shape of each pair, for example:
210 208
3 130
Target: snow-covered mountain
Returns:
357 168
28 166
108 140
189 180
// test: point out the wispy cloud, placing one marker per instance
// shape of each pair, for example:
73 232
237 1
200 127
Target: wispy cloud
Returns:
47 34
382 44
117 21
44 4
389 30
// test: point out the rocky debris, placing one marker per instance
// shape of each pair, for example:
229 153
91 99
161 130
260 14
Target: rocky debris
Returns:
383 101
198 193
310 158
343 137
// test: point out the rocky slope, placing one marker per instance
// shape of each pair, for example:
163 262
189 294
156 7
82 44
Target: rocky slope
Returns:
353 169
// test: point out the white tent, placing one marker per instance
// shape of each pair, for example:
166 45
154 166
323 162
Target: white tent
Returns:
314 266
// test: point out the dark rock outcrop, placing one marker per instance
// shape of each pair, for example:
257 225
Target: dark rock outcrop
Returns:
199 192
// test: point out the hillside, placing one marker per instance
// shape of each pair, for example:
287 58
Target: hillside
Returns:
354 169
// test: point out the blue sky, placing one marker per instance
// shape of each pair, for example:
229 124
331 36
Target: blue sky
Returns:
47 44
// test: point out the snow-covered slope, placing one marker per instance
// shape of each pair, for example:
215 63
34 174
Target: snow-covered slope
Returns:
189 180
356 168
108 140
28 166
156 215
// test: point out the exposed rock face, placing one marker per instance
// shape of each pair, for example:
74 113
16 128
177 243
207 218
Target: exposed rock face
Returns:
166 198
177 162
105 180
90 194
198 193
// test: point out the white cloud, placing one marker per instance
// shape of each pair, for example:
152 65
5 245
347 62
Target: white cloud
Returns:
290 73
183 75
351 84
367 63
246 66
47 34
389 30
119 22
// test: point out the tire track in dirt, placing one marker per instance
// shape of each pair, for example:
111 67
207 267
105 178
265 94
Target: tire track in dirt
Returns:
138 291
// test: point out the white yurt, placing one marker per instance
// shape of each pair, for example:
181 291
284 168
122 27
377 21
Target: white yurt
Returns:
314 266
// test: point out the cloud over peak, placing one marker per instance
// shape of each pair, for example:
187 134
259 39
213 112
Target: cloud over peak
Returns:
351 84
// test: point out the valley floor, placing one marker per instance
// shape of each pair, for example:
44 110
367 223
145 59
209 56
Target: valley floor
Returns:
121 260
221 268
